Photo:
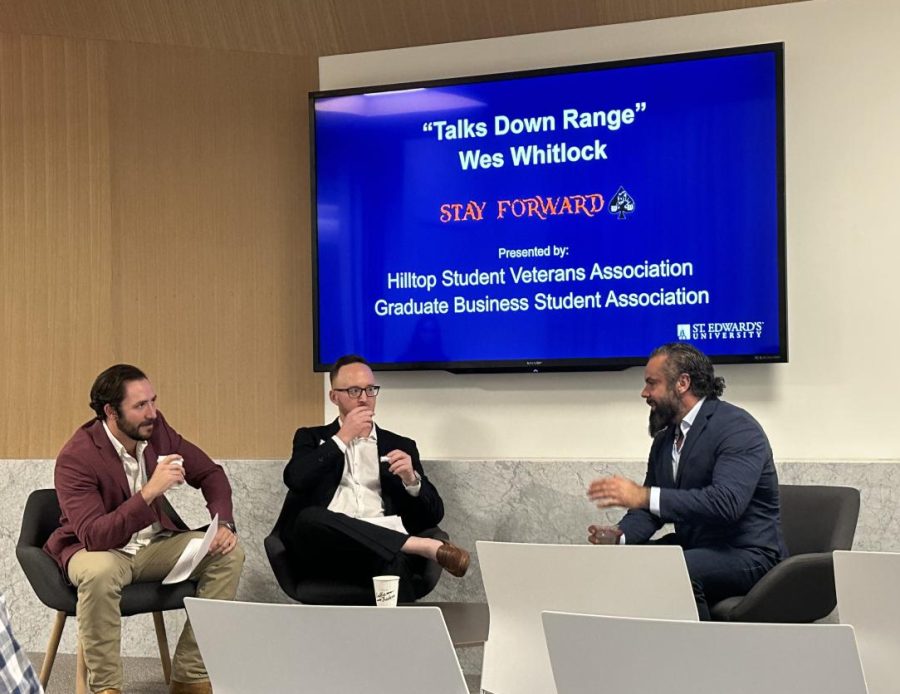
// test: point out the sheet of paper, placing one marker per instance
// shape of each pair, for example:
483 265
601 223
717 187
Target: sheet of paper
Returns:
389 522
193 554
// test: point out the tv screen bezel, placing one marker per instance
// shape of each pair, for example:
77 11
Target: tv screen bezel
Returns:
586 364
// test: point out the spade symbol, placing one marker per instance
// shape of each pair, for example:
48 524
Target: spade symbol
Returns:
622 203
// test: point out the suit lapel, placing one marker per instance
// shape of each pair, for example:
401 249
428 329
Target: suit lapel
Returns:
331 429
387 479
150 459
693 435
383 448
110 464
666 478
382 444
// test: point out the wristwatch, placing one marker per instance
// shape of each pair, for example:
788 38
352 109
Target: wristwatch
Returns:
228 524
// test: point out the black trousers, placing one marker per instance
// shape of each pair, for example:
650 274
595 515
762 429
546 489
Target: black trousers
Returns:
335 546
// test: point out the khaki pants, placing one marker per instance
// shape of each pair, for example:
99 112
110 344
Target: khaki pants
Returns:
100 577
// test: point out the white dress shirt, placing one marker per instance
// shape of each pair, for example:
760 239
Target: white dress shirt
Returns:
359 493
136 473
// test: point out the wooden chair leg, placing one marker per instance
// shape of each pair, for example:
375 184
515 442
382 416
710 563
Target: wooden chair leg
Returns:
52 648
163 644
80 671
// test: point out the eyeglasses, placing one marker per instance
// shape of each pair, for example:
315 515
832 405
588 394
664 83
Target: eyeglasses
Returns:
356 391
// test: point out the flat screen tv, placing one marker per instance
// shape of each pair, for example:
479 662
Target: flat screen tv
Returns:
562 219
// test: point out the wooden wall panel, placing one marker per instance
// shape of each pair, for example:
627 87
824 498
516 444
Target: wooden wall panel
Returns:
328 27
154 209
55 247
210 241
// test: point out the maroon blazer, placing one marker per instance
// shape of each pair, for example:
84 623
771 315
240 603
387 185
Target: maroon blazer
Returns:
99 512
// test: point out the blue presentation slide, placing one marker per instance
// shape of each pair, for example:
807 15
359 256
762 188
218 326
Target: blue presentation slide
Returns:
581 215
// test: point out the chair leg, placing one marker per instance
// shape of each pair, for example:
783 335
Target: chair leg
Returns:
52 648
163 644
80 671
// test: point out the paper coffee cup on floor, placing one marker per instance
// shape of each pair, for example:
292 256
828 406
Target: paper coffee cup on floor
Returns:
386 588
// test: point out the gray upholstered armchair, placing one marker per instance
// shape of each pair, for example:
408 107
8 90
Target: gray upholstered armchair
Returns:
816 520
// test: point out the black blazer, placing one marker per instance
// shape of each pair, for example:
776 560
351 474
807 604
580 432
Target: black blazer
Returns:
314 472
726 491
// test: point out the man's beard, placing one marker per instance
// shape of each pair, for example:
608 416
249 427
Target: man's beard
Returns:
662 415
134 431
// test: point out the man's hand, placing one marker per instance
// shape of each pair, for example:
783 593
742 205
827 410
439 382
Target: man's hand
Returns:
604 534
618 491
357 423
223 542
169 472
400 464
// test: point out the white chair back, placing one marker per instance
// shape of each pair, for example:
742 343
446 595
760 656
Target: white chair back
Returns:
314 649
866 585
634 656
522 580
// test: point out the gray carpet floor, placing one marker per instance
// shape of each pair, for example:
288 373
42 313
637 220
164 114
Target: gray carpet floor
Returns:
142 675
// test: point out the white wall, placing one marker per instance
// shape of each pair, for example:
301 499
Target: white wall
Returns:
836 399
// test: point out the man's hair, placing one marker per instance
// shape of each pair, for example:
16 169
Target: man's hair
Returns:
109 387
344 361
683 358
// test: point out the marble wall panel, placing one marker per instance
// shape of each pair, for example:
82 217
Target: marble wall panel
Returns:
503 500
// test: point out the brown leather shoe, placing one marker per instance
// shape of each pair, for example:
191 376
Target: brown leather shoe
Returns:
200 687
453 559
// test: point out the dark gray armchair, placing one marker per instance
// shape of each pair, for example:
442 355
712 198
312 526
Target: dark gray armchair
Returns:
40 518
320 591
816 520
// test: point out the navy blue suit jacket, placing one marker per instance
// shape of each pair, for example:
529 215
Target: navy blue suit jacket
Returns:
726 491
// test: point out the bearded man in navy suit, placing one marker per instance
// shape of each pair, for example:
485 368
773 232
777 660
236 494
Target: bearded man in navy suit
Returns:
710 472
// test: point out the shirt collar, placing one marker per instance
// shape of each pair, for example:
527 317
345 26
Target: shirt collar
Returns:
120 449
688 420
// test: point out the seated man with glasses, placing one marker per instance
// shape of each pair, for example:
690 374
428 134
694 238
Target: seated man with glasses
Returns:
365 507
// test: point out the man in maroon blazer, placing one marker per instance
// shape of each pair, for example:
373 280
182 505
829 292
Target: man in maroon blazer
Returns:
109 478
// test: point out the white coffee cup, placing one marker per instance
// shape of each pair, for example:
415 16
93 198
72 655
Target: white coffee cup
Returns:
386 589
177 460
